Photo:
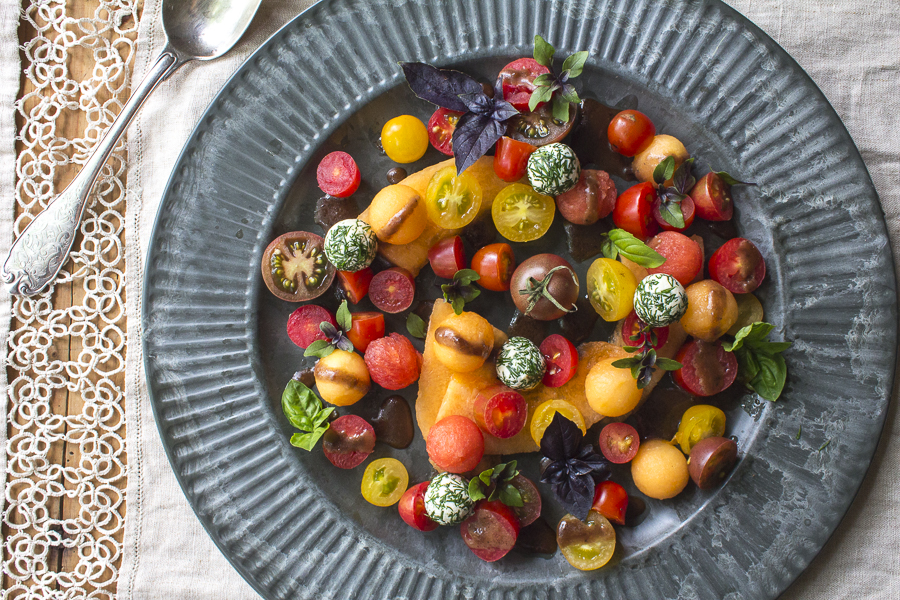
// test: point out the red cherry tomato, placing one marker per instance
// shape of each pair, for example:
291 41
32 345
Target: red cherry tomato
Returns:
447 257
393 362
348 441
706 368
684 258
531 500
338 175
561 359
440 129
511 158
634 210
303 324
412 508
455 444
500 411
491 531
619 442
738 265
687 211
365 327
632 326
517 80
496 264
611 501
630 132
392 290
712 198
355 284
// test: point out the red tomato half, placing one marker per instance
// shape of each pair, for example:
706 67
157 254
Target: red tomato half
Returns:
630 132
712 198
517 79
365 327
738 265
496 264
441 126
511 158
412 508
634 210
687 211
392 290
355 284
611 501
561 359
632 326
707 368
491 531
619 442
447 257
393 362
338 175
348 441
303 324
500 411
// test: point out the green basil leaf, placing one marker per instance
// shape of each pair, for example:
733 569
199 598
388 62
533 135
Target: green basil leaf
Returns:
469 293
415 325
344 318
300 404
458 304
328 329
569 94
627 363
510 495
608 248
475 491
667 364
321 418
754 332
574 63
671 214
748 366
731 180
543 79
319 349
634 249
560 109
683 180
540 94
308 441
664 170
769 381
508 471
772 347
466 276
543 51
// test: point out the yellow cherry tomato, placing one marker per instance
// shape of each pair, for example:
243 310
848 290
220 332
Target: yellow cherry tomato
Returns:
698 423
521 214
588 544
611 287
543 415
384 481
404 139
452 200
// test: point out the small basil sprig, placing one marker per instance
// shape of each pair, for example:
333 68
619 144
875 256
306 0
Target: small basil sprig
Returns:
461 291
305 412
416 326
645 358
555 87
760 362
671 197
619 241
337 336
495 484
728 179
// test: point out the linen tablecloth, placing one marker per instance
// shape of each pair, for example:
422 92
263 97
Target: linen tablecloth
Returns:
851 48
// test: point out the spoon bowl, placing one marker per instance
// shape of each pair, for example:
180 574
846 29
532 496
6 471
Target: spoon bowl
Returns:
206 29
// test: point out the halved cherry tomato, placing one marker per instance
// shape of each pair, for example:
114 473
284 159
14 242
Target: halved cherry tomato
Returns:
303 324
543 416
632 326
712 198
511 158
365 327
707 368
738 265
392 290
521 214
561 359
500 411
517 80
495 263
384 481
611 501
491 531
412 508
440 129
630 132
699 422
355 284
619 443
688 211
338 175
610 287
634 210
452 200
447 257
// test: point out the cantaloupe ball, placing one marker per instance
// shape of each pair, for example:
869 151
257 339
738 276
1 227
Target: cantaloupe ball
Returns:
712 310
659 469
611 391
342 378
661 147
463 342
397 214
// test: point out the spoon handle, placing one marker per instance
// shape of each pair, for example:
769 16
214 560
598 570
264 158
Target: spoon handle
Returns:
43 247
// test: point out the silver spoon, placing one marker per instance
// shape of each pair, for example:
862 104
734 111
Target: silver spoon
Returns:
195 29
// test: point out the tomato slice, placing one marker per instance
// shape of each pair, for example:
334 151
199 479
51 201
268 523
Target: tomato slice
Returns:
544 413
303 324
491 531
338 175
441 126
630 132
392 290
348 442
384 481
738 265
699 422
412 508
707 368
610 287
561 358
634 210
521 214
517 81
619 443
355 284
495 263
447 257
500 411
452 200
712 198
611 501
511 158
365 327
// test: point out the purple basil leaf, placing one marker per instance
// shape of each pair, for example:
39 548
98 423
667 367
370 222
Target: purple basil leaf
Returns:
561 439
579 467
473 137
439 86
478 103
683 180
576 495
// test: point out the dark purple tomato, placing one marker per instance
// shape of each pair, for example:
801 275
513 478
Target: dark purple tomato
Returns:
348 442
491 531
537 274
711 460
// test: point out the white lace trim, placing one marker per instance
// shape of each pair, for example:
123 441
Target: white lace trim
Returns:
66 417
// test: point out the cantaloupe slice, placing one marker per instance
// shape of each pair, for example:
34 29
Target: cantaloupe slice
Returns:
414 255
